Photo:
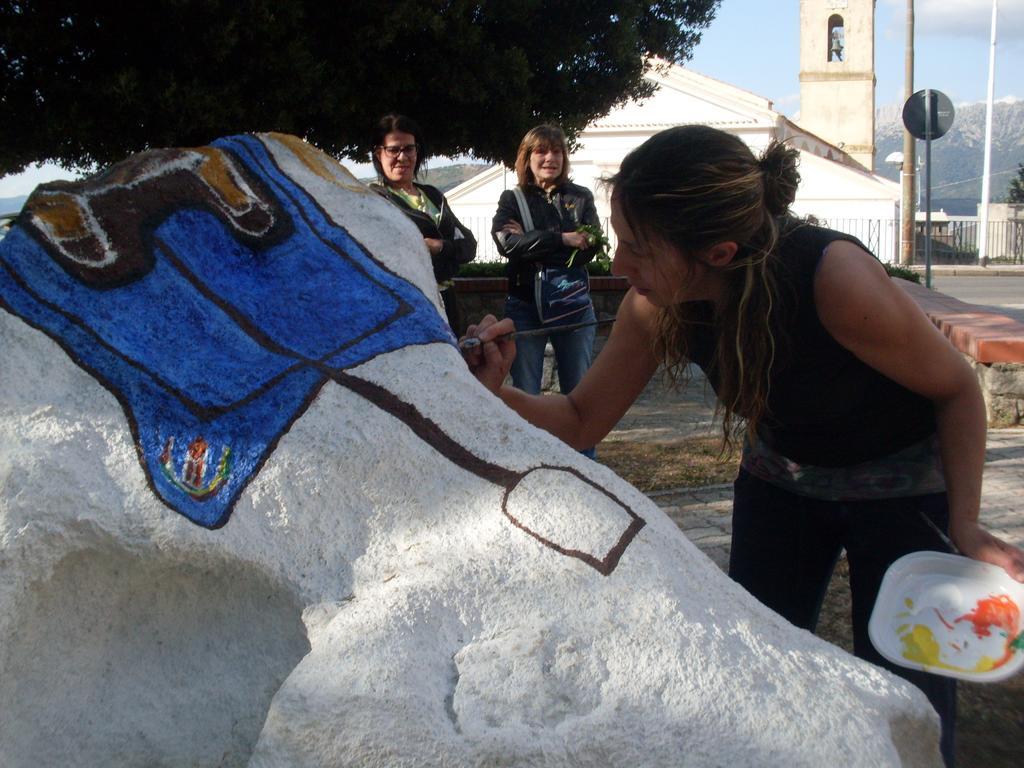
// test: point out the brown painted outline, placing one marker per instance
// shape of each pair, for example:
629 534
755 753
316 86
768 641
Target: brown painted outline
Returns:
606 564
435 437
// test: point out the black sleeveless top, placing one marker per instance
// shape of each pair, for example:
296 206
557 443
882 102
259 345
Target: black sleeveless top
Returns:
825 407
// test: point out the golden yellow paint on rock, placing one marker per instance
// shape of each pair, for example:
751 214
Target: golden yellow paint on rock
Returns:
215 172
60 213
319 162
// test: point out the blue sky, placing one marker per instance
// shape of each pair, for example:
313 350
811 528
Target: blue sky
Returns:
754 44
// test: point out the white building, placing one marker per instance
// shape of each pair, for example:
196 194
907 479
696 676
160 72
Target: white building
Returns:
835 188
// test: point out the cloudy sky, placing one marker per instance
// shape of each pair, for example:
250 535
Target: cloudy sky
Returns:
754 44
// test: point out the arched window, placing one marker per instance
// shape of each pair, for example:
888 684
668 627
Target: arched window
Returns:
836 38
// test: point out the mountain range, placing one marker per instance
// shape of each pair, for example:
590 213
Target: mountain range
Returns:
957 159
12 204
444 177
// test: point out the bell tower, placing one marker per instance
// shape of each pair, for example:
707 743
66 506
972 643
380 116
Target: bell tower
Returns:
837 74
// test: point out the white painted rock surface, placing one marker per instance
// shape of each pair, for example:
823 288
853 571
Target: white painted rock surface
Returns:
387 567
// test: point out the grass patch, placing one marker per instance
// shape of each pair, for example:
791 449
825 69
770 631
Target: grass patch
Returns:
659 466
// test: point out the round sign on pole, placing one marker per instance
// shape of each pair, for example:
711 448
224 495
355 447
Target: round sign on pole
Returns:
941 113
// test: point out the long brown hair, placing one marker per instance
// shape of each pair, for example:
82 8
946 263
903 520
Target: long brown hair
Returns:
543 137
692 187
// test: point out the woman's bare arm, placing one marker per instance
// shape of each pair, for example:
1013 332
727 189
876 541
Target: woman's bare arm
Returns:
584 416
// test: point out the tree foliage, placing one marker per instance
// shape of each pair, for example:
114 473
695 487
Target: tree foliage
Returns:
89 82
1015 194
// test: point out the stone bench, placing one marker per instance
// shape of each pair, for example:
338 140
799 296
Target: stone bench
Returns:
992 343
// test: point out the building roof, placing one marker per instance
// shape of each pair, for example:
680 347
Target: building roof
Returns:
684 96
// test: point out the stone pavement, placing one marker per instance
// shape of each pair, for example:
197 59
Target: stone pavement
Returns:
705 514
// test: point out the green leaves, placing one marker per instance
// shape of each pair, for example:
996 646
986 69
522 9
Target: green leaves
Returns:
594 237
1015 194
84 83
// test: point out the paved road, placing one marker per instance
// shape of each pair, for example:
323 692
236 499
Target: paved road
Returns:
1005 291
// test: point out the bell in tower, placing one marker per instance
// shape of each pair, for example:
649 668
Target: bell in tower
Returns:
835 35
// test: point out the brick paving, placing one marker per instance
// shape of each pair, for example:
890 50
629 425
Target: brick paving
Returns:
1002 493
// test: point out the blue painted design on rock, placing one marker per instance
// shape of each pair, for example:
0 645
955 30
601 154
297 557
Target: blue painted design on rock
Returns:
221 343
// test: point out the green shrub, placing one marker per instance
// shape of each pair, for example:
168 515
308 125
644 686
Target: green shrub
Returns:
497 268
903 273
482 269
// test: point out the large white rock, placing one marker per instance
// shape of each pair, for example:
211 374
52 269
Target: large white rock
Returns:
401 572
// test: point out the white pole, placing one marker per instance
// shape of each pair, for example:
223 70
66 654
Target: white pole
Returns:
908 169
986 179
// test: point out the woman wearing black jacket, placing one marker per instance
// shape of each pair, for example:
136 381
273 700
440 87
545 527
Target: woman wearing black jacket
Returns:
558 209
398 154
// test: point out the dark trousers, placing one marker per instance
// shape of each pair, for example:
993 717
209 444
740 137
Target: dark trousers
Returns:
451 310
785 547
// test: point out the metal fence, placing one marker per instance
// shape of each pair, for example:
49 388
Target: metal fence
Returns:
880 236
1005 239
953 241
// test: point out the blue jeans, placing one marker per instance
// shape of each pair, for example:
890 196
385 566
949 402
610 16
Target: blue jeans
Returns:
574 350
784 548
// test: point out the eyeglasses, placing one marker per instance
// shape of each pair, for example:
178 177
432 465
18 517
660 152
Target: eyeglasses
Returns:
395 150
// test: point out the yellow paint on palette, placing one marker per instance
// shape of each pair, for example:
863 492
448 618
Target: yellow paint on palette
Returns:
920 646
985 663
320 163
921 617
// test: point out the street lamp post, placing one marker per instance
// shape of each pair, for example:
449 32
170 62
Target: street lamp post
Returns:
896 159
986 176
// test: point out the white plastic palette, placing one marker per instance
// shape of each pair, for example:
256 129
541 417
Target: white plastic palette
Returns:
951 616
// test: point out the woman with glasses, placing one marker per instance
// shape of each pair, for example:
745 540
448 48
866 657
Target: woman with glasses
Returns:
862 428
398 154
540 227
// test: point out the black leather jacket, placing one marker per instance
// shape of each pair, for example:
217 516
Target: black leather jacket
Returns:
564 209
459 245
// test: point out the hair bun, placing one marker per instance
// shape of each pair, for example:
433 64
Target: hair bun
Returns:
778 165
